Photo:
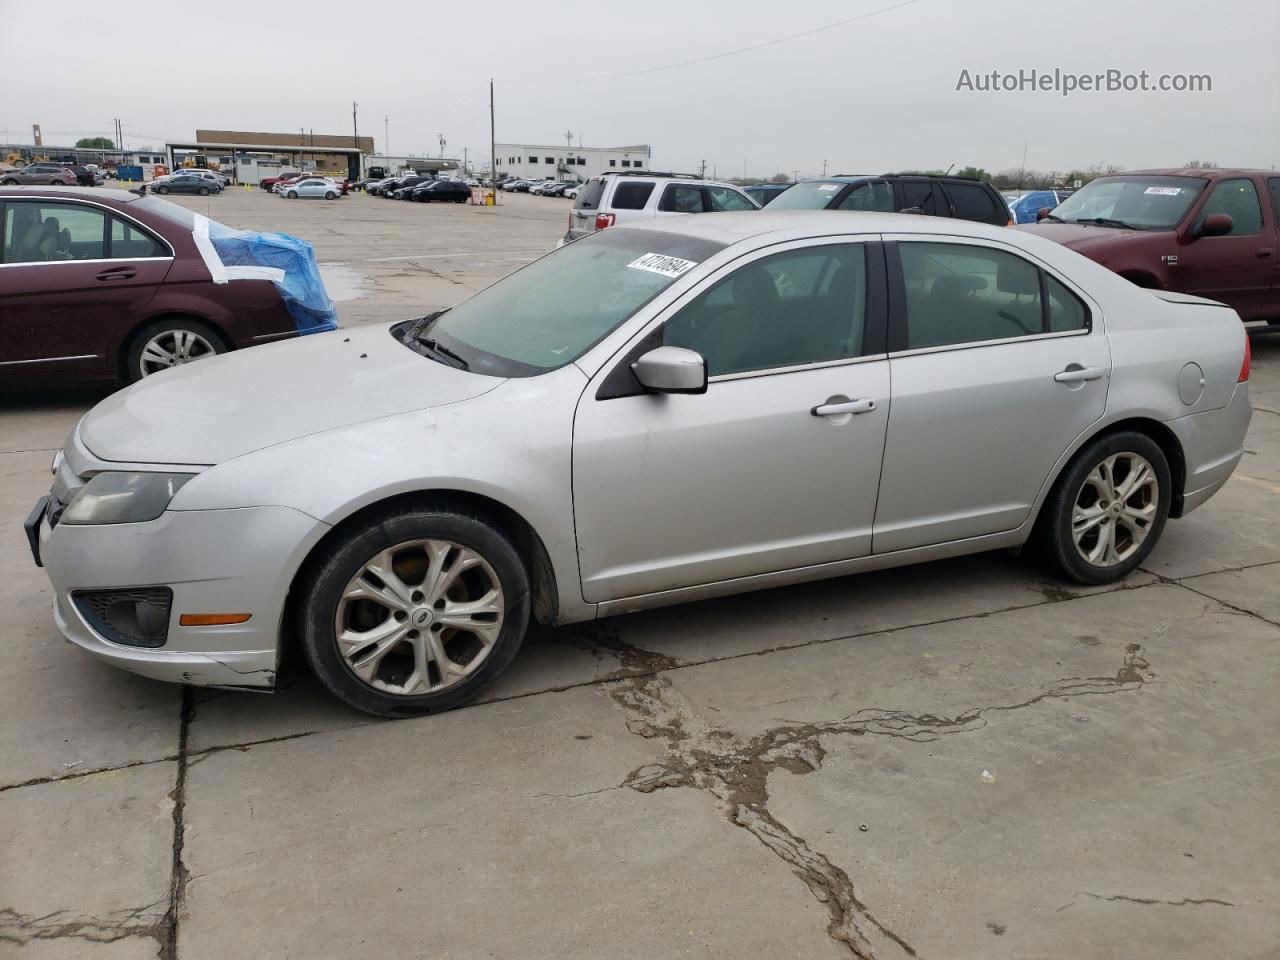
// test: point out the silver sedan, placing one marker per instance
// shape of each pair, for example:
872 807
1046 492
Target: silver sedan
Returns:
714 404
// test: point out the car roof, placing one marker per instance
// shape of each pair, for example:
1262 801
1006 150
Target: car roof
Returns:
1200 172
105 194
783 225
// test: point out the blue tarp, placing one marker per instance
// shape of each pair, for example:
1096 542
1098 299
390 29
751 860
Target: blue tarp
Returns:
302 289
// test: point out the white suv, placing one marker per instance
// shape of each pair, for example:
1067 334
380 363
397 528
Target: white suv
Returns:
618 197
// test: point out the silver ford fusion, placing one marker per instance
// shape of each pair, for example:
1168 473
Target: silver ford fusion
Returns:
691 407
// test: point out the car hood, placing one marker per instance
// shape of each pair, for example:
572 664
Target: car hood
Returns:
216 409
1086 238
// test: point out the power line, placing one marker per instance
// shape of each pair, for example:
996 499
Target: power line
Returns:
727 53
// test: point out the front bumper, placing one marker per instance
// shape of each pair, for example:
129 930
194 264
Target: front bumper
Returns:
214 561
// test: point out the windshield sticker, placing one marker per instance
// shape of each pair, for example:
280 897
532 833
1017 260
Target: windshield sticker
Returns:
659 263
828 186
1163 191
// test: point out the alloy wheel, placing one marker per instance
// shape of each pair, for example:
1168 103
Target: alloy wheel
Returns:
172 348
1114 509
419 617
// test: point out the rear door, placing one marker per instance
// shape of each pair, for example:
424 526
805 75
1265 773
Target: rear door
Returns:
976 201
997 366
921 193
73 278
1238 268
586 205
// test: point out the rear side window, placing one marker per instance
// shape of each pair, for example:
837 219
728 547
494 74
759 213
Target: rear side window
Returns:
44 232
130 243
923 194
959 293
682 198
1274 184
631 196
722 198
973 202
589 196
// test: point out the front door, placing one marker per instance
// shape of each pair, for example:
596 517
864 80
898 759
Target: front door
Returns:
994 375
1237 267
774 467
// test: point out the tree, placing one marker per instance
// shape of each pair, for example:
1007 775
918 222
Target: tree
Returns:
1201 165
972 173
95 143
779 178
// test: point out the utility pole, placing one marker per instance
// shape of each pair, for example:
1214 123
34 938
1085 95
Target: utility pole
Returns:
702 171
386 135
355 138
795 176
493 149
442 143
464 162
1022 174
824 168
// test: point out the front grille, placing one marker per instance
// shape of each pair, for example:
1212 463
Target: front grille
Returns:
137 617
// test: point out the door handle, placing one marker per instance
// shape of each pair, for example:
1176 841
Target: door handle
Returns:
118 273
1264 253
1077 374
838 409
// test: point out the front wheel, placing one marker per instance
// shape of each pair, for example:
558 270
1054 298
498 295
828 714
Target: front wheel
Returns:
1108 509
415 611
292 195
330 195
162 189
204 191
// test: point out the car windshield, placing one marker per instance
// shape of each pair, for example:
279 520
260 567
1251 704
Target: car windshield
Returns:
555 309
1140 202
810 195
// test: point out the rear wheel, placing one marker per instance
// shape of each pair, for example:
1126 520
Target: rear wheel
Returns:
292 195
1108 509
415 611
204 191
162 189
170 343
330 195
56 183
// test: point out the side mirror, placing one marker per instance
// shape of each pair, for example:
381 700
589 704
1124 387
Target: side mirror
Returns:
1042 213
672 370
1215 225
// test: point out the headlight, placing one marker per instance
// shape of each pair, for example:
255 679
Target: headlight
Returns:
124 497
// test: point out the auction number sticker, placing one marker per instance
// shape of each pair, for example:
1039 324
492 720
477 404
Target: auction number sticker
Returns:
1163 191
660 263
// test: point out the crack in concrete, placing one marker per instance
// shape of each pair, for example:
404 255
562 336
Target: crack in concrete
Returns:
144 921
1148 902
735 771
1245 611
178 873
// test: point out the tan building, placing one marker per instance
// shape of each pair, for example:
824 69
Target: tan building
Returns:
297 139
255 154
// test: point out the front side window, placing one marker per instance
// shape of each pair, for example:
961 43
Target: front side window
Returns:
533 321
958 293
46 232
724 199
802 306
631 195
679 198
869 196
1238 199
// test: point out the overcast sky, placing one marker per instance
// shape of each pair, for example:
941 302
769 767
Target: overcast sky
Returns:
870 96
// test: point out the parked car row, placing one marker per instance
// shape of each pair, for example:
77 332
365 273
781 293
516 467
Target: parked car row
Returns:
422 189
543 188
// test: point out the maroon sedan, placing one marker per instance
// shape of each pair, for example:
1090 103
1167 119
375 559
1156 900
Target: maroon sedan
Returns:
101 285
1212 233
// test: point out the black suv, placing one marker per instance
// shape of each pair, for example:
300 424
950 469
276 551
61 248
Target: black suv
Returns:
933 196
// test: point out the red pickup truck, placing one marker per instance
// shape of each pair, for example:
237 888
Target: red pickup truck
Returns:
1212 233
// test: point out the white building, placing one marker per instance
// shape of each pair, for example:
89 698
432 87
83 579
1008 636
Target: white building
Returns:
540 162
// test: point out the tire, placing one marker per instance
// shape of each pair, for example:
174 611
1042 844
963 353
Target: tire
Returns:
402 541
56 183
292 195
330 195
162 189
204 191
9 183
139 362
1093 487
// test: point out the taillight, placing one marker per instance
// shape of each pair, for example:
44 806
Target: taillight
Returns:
604 220
1248 360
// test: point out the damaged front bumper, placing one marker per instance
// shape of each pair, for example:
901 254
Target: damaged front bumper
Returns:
213 561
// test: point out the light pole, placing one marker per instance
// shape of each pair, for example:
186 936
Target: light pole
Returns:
386 135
